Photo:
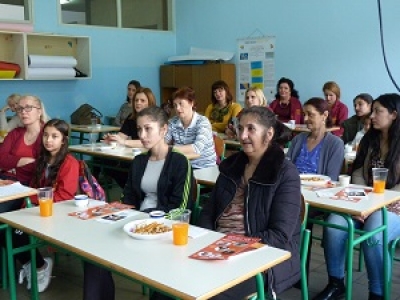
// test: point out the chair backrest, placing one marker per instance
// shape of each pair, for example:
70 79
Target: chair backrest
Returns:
219 145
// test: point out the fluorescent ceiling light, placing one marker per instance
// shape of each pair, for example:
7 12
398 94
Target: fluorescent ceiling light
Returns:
64 1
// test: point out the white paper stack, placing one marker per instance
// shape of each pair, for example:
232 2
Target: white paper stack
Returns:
46 66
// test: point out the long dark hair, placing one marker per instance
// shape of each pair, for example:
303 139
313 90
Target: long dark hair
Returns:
44 157
267 119
371 140
137 86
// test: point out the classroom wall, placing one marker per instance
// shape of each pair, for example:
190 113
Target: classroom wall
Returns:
118 55
316 41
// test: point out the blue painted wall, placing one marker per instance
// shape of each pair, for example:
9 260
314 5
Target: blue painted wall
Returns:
118 55
316 40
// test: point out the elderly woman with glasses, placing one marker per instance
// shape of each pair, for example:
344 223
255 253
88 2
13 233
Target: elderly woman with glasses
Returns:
21 146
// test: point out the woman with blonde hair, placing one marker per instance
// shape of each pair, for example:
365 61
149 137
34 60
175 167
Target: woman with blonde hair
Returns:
253 96
337 110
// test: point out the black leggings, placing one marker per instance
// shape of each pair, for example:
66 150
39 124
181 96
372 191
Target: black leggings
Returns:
19 238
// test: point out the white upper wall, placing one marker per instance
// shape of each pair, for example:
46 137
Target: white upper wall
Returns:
316 41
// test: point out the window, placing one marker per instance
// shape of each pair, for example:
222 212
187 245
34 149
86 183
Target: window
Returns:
143 14
15 10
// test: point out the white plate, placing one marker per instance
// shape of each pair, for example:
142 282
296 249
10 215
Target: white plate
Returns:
314 179
130 227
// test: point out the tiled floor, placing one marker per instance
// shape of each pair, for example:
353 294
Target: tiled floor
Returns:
68 280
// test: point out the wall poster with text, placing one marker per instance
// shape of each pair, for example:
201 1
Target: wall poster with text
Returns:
256 66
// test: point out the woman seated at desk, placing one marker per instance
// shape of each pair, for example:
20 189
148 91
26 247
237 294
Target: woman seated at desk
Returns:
258 194
287 105
253 96
56 168
160 179
362 106
317 151
379 148
189 131
126 109
337 109
222 108
128 136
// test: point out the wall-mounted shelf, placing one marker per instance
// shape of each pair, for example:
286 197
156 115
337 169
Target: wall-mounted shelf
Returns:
15 47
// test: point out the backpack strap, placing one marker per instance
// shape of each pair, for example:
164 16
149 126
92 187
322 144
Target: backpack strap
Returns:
88 175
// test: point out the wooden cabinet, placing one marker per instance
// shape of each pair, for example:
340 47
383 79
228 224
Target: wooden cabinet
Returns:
15 47
199 77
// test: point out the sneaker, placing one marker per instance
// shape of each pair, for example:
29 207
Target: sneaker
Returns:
25 272
44 275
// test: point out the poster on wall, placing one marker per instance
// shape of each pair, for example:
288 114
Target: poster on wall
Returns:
256 66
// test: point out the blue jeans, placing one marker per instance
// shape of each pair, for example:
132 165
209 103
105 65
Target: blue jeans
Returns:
335 241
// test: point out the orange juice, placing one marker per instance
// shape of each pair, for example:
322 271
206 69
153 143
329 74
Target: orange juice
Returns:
46 207
180 233
379 186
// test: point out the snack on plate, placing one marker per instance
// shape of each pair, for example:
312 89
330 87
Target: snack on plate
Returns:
312 178
152 228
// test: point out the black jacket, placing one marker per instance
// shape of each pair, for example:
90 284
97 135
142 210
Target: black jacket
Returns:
272 207
174 186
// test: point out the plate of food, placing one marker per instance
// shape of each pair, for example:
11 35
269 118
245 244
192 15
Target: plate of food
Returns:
314 179
149 229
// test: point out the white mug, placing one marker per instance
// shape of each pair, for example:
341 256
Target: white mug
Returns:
344 180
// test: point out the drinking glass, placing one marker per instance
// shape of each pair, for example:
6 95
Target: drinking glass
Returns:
180 229
379 176
93 139
45 197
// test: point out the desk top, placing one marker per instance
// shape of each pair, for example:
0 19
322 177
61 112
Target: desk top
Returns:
149 261
15 191
91 128
363 207
207 176
229 141
124 153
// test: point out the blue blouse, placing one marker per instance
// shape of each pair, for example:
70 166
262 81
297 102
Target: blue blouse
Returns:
307 161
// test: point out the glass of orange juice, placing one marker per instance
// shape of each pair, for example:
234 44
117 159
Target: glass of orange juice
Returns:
379 176
45 197
180 228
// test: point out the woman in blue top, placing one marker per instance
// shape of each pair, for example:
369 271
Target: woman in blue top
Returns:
317 151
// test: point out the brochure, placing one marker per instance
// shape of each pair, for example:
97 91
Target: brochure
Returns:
227 246
106 209
353 194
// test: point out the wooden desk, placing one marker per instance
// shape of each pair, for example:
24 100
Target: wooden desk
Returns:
347 209
149 262
82 129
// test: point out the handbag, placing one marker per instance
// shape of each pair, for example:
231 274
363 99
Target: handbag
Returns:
84 114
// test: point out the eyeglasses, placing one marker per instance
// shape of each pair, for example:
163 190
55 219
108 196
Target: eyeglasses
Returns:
27 108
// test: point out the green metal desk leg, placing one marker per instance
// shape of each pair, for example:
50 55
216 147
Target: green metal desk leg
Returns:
386 261
10 264
260 286
350 247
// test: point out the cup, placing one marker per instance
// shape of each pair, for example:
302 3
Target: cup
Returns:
81 200
180 229
379 176
93 121
292 124
45 196
93 139
348 148
344 180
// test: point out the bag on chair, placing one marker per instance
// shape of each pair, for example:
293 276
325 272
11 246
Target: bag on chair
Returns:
88 184
84 115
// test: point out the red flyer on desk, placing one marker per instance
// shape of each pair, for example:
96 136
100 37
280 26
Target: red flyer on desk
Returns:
352 194
227 246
